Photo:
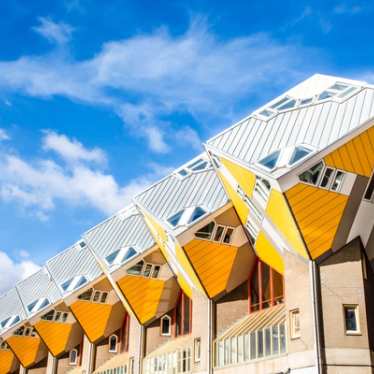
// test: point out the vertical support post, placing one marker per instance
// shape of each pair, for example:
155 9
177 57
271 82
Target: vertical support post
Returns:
88 356
259 280
22 370
271 281
51 364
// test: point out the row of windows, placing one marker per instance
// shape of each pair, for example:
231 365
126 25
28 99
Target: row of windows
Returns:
94 296
215 232
324 177
118 370
145 269
38 305
263 343
25 331
56 316
198 165
174 362
186 216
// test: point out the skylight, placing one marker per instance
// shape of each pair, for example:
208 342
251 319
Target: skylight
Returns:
298 154
118 257
10 321
270 161
38 305
73 283
197 165
186 216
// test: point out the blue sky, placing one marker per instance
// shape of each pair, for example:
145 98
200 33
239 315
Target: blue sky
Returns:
100 99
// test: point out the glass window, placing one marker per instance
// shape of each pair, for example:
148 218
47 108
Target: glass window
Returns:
166 325
58 316
266 113
183 172
260 343
228 235
270 161
327 176
288 105
197 349
96 296
64 317
312 175
206 231
174 219
104 297
306 101
267 342
86 295
280 102
73 357
253 345
282 338
147 270
298 154
275 340
113 343
295 323
339 87
246 347
351 319
136 269
218 233
338 181
369 193
325 95
156 271
49 316
197 213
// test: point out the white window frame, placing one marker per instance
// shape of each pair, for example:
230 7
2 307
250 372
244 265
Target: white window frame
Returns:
214 231
197 349
342 181
162 319
75 362
115 350
371 200
186 216
295 332
357 316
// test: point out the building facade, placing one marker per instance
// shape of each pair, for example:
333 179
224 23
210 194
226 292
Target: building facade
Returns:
257 256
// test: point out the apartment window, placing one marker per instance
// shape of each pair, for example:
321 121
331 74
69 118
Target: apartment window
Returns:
113 340
206 231
327 177
228 235
4 345
295 323
94 296
369 193
219 233
145 269
270 161
351 318
25 331
183 313
197 349
261 191
338 181
165 325
186 216
312 175
214 232
73 357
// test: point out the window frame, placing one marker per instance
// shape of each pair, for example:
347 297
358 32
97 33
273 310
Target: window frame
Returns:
294 332
197 349
115 350
357 317
162 319
75 362
369 185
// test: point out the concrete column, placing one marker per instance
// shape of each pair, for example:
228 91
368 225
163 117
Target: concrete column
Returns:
136 345
22 370
51 364
88 356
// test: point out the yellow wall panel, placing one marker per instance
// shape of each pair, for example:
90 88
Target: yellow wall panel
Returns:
55 335
356 156
213 263
175 256
27 349
7 361
143 294
318 213
267 253
280 215
93 317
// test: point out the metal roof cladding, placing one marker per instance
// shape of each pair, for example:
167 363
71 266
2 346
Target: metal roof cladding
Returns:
10 306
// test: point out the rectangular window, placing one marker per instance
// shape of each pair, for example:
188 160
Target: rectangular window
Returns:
228 234
351 318
327 176
369 193
218 234
295 323
197 349
338 181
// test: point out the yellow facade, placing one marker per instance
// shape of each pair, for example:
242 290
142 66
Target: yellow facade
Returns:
145 295
57 336
268 254
8 361
29 350
318 213
213 263
96 317
175 256
356 156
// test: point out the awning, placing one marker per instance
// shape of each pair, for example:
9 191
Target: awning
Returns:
256 321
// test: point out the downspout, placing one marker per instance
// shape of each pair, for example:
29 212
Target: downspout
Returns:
316 316
210 336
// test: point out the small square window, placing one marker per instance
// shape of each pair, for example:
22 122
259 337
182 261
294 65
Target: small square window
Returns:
351 319
295 324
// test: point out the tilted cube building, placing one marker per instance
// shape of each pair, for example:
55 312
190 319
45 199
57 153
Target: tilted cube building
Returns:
257 256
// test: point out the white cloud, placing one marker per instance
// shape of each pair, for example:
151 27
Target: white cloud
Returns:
71 149
59 33
12 272
147 78
187 135
350 9
4 135
38 185
24 254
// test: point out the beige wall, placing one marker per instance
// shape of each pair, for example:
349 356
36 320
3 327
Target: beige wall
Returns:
102 353
231 307
136 343
153 337
342 283
39 368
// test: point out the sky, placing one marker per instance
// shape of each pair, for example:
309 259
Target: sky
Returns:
99 99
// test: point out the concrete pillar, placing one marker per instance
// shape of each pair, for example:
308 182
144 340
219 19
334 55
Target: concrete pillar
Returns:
51 364
136 346
22 370
88 356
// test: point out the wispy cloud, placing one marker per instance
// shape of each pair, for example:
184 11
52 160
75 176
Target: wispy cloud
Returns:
39 184
59 33
348 9
11 271
147 78
4 135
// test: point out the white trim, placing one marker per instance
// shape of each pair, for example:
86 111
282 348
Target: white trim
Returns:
75 362
115 350
162 319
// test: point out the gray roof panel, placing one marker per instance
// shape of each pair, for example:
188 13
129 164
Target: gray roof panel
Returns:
10 306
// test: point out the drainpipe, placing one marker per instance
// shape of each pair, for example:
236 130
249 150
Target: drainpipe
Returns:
210 336
316 315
